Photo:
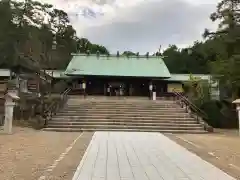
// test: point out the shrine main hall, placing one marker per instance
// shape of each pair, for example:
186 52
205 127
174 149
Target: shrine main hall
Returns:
118 75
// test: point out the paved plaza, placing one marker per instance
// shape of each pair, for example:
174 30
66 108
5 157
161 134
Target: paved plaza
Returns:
142 156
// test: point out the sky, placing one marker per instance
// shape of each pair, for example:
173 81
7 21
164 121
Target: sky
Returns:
139 25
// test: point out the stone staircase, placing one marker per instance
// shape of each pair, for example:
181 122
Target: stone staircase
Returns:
135 114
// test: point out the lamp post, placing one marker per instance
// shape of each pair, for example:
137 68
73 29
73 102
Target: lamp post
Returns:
237 102
10 101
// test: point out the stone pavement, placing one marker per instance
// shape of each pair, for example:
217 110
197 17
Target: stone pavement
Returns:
142 156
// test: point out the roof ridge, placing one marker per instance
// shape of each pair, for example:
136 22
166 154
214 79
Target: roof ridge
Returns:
115 55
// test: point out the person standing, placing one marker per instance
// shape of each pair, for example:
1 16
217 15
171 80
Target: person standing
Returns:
108 91
84 88
150 90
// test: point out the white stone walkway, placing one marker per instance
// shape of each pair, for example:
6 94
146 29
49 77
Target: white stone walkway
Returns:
142 156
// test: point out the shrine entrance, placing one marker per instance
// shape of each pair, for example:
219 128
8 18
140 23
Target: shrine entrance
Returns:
117 89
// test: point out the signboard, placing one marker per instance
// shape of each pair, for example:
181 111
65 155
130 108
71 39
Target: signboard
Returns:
177 87
3 87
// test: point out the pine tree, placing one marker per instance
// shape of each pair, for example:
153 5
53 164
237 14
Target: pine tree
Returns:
228 13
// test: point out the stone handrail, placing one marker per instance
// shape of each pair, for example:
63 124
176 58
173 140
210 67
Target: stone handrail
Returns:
195 112
55 106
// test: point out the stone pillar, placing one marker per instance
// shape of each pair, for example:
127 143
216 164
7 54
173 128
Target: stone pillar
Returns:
154 98
154 93
10 99
237 102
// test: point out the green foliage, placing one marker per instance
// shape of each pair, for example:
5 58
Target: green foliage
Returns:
129 53
85 46
228 65
7 32
197 90
220 114
219 54
195 59
25 35
212 109
60 86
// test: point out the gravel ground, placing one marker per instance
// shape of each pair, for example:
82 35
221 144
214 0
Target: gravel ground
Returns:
66 169
220 149
27 153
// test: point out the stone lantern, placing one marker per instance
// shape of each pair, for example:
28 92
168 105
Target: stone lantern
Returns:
10 101
237 102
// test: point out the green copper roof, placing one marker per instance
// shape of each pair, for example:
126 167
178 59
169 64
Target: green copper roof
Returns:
186 77
117 66
58 74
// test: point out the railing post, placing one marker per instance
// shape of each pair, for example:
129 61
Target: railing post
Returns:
187 107
45 119
182 104
57 108
51 110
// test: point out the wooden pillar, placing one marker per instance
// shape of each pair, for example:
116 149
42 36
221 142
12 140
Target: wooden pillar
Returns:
105 88
38 83
130 89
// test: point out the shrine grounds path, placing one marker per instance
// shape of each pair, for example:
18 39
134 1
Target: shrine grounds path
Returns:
142 156
37 155
221 148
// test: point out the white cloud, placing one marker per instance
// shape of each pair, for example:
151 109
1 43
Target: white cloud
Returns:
139 25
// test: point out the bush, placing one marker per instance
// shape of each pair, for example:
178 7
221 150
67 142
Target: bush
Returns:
212 109
220 114
197 90
60 86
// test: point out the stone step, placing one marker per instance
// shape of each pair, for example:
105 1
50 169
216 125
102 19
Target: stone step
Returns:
129 130
112 108
123 118
177 109
131 114
116 116
67 123
119 113
119 100
114 111
148 111
177 121
124 115
123 105
121 108
96 126
77 102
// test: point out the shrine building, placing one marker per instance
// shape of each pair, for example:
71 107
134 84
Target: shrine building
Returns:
123 75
